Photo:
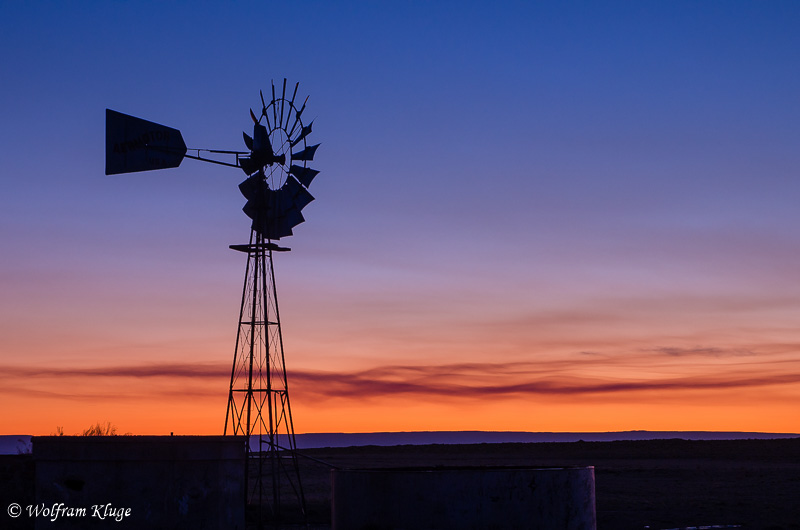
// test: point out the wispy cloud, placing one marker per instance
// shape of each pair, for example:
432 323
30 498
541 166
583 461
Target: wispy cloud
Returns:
174 370
442 381
703 351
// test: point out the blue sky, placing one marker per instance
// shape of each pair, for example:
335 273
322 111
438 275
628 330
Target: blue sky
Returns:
500 182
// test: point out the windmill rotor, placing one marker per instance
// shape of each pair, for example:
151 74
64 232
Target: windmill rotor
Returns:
278 173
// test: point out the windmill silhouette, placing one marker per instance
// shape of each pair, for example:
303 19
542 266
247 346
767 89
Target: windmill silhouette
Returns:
276 190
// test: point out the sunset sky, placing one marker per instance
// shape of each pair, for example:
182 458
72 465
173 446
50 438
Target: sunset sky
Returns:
530 216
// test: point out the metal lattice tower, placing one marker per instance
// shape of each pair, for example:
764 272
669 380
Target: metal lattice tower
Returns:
258 399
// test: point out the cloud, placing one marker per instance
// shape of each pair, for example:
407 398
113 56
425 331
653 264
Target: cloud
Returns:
124 382
442 381
708 351
174 370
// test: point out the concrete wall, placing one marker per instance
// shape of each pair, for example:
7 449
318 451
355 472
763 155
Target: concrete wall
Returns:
16 486
161 482
481 498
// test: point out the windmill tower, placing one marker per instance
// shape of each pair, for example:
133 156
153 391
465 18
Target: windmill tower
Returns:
278 175
258 398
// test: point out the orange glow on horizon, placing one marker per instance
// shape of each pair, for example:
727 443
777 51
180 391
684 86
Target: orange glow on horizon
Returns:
715 393
206 416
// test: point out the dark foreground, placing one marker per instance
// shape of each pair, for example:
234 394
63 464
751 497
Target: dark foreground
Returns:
658 484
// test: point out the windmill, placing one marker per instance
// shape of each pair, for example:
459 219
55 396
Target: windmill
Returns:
278 175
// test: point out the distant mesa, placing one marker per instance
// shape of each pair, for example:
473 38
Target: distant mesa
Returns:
16 444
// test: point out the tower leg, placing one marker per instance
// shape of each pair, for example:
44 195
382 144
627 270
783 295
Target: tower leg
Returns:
258 398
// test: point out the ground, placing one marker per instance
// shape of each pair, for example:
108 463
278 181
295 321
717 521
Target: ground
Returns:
659 484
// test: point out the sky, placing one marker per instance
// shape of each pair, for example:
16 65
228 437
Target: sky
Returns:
530 216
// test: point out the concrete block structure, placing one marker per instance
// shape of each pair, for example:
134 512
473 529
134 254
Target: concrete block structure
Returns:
141 482
467 498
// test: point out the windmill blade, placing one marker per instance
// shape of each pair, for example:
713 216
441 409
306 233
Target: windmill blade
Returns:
297 117
304 174
294 217
274 109
280 228
299 196
283 99
306 154
302 199
303 133
252 211
291 105
253 188
247 141
274 228
274 212
261 143
282 203
248 165
134 144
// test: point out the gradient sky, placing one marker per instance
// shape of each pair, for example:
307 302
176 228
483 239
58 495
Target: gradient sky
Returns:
538 216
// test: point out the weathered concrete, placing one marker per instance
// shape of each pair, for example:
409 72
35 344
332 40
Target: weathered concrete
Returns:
480 498
139 482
